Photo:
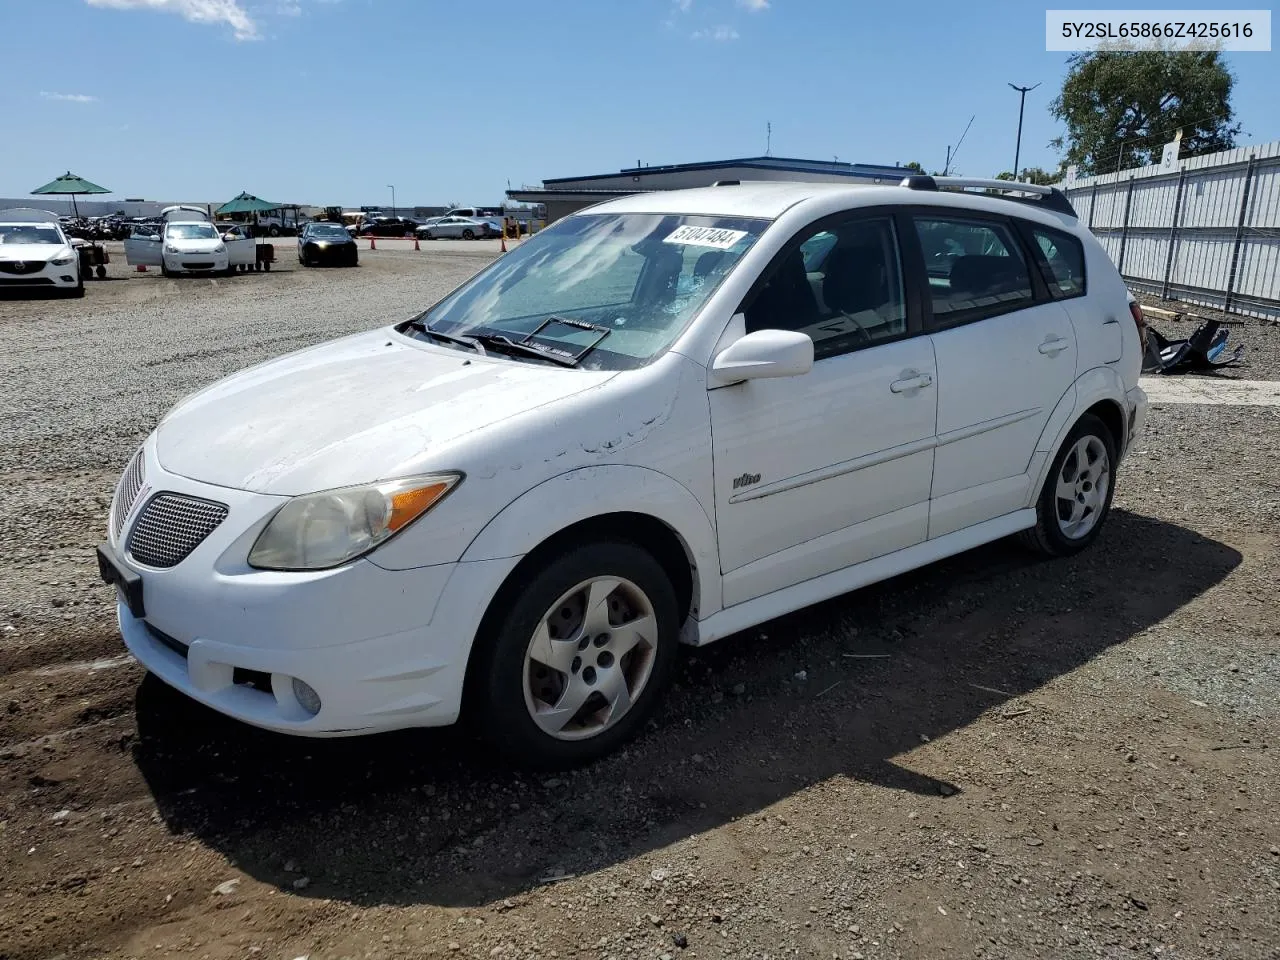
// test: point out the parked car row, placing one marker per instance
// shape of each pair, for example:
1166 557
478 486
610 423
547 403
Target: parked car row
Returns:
451 225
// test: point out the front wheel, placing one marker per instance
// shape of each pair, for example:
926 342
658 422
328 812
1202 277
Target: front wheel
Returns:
578 656
468 234
1076 497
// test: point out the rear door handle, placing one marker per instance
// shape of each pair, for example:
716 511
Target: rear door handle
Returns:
1054 347
911 383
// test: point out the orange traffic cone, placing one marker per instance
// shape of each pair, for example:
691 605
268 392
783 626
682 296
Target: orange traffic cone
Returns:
415 244
373 243
504 241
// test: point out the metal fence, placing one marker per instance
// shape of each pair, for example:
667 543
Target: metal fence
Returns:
1205 232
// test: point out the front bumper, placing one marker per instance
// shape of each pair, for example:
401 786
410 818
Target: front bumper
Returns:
383 649
196 262
50 276
341 253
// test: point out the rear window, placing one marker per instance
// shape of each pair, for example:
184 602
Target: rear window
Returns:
1064 257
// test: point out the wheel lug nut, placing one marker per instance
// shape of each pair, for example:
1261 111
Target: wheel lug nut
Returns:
576 665
601 639
584 643
605 660
589 675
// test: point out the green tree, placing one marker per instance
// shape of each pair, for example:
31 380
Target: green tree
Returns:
914 165
1121 107
1034 175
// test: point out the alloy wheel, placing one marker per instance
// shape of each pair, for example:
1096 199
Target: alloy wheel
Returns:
1084 482
590 658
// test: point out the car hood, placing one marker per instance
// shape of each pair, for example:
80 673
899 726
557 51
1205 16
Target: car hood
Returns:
33 251
368 407
194 246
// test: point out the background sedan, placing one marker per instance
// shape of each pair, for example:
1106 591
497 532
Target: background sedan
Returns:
464 227
388 227
326 243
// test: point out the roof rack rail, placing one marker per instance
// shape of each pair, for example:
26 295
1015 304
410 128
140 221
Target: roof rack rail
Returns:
727 183
1050 198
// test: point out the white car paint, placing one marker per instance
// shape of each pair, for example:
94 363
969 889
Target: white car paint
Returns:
35 265
854 468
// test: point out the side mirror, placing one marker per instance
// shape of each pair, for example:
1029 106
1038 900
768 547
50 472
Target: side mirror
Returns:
764 354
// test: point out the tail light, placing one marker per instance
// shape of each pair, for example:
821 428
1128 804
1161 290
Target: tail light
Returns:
1135 309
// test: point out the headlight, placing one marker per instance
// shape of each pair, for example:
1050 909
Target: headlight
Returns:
220 248
63 261
327 529
170 248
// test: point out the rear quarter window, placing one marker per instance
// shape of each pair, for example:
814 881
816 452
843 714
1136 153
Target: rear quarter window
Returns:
1063 265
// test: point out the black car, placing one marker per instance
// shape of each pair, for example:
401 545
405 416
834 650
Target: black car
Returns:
388 227
321 242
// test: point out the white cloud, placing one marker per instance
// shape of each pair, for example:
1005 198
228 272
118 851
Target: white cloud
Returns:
69 97
755 6
289 8
720 34
683 5
197 11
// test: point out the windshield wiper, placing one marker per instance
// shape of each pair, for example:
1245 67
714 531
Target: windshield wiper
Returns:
503 344
471 342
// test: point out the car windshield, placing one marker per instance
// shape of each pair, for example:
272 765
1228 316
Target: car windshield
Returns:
28 233
192 231
329 230
640 277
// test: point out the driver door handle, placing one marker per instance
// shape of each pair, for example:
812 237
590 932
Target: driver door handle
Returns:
1054 347
911 383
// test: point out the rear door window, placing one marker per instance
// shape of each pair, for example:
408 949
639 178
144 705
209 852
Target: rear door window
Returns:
976 269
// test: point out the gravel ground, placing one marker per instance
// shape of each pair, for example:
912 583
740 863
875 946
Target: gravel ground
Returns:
992 757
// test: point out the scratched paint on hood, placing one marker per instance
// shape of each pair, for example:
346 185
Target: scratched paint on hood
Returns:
352 411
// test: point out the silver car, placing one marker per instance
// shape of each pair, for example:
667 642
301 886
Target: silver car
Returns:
464 227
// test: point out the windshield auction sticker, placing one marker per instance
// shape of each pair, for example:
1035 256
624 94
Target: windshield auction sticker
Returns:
705 237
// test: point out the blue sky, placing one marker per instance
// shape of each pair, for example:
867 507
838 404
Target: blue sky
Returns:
329 101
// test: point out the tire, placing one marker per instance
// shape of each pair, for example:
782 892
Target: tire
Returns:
164 271
429 235
1090 443
77 291
266 265
509 685
468 234
101 272
273 231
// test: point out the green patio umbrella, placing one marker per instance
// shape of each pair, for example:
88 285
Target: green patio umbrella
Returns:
247 203
70 184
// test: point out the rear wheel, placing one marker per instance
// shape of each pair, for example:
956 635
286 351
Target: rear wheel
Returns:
1076 497
468 234
578 656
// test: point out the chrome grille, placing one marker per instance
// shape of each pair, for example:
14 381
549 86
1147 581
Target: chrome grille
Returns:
170 526
127 491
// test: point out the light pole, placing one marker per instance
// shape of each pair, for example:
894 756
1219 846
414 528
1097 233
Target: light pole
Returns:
392 188
1017 150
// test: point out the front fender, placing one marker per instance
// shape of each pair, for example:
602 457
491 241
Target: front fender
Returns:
595 491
